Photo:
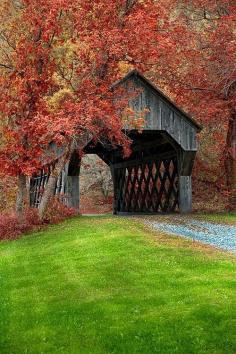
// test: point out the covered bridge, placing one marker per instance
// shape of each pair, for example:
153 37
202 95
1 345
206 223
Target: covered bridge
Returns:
156 177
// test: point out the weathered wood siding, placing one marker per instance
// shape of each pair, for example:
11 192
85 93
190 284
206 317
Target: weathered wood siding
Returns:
163 116
185 194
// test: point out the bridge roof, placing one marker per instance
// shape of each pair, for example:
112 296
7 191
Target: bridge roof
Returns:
136 74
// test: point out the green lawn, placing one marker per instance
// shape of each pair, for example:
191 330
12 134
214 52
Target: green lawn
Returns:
103 285
226 218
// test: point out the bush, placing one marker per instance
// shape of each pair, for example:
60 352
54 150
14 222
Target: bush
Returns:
12 227
57 212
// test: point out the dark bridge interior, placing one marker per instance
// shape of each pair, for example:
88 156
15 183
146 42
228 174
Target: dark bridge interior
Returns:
146 181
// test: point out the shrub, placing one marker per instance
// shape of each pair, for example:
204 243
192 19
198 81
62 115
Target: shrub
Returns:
57 212
12 227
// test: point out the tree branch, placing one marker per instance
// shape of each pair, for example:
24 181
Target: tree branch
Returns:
6 66
6 39
228 89
54 33
192 88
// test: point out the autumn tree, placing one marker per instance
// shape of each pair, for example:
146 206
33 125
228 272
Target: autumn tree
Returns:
210 79
200 77
27 70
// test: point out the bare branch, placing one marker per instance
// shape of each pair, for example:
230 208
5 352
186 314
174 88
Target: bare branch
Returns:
192 88
61 72
6 39
229 88
54 33
6 66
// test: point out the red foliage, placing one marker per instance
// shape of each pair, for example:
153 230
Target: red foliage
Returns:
95 204
79 47
11 226
57 212
206 81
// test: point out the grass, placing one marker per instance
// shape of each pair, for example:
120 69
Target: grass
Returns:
222 218
226 218
98 285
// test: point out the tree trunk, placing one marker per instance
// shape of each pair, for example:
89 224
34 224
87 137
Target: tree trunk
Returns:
21 195
51 185
230 161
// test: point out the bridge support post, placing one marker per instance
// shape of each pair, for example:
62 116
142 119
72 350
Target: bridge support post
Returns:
115 190
73 188
185 194
185 167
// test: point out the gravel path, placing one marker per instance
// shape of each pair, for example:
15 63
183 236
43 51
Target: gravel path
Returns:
218 235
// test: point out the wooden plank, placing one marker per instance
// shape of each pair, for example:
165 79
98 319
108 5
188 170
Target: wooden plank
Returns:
185 194
155 112
115 194
73 187
163 116
143 82
185 162
193 139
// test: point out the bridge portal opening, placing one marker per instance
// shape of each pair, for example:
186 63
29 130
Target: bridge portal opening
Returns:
96 186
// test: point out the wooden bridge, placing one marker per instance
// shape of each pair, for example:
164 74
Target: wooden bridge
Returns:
157 175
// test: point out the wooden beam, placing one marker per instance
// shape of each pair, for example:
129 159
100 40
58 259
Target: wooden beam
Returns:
153 143
185 194
156 157
74 192
185 162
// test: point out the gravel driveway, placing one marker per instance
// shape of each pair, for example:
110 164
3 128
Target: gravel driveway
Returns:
218 235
